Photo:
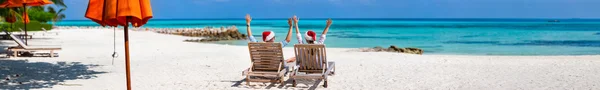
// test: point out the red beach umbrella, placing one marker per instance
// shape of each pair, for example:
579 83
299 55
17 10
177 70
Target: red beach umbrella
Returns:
120 13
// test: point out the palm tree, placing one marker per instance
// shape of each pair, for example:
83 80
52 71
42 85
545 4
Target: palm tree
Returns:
10 14
13 12
59 3
4 12
58 15
7 12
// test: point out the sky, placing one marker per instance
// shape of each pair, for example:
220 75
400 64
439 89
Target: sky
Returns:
216 9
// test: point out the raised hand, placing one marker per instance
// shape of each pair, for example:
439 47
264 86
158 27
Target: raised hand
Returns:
296 23
248 18
290 21
329 21
295 18
248 30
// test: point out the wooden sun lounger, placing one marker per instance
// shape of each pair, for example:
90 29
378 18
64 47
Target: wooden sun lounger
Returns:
267 63
48 32
311 63
22 47
30 33
6 35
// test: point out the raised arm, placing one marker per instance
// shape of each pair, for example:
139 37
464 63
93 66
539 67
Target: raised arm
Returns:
289 34
248 19
329 21
296 24
298 35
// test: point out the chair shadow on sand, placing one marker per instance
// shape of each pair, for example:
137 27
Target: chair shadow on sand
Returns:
22 74
286 84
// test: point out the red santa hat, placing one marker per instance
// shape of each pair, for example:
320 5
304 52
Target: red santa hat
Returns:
268 35
310 35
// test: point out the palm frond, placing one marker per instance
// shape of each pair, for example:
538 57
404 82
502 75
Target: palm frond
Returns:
59 3
60 17
61 10
51 9
36 8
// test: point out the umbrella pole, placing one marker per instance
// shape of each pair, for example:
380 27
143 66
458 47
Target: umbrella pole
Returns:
127 54
25 24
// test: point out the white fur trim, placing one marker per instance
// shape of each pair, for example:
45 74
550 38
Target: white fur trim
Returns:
308 37
270 36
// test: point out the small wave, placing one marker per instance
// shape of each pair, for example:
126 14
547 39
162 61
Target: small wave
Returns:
429 51
580 27
472 42
578 43
374 37
470 36
339 31
394 33
575 43
208 24
435 46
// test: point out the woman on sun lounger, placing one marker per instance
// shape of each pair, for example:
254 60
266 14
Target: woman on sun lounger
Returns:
310 35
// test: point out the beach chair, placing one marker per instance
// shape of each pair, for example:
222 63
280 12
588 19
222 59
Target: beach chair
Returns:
22 47
29 33
267 63
48 32
6 35
311 63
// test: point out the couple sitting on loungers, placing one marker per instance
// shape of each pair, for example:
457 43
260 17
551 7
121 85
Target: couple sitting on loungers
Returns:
267 57
269 36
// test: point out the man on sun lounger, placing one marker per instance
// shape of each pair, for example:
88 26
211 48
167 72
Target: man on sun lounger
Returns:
269 36
310 35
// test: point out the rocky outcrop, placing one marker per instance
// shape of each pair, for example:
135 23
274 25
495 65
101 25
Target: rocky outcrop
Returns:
393 48
203 40
209 33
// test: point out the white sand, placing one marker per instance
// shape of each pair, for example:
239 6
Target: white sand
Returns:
165 62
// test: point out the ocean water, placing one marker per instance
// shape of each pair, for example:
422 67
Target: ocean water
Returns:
435 36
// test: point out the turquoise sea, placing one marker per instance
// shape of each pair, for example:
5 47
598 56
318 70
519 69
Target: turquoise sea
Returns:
435 36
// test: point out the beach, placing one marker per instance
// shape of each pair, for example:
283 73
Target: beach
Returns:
166 62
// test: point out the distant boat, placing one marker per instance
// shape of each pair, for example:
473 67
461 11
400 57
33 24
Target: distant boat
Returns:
553 21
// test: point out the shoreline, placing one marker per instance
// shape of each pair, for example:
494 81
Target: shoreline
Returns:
198 39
